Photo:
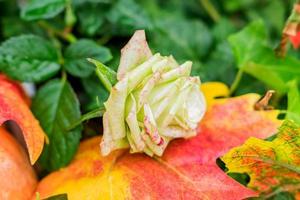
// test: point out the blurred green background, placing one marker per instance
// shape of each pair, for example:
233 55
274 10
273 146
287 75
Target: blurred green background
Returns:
230 41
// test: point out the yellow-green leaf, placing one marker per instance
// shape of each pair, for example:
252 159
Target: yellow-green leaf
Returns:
273 166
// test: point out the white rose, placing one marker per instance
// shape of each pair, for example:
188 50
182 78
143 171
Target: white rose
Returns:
154 101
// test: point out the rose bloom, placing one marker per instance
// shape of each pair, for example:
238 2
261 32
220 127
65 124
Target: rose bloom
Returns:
154 101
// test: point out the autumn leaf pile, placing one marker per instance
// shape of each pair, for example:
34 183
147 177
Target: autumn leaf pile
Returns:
61 96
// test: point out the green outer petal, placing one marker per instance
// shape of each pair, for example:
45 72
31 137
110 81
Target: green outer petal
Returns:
146 90
115 109
183 70
134 128
133 148
156 149
108 144
160 66
150 125
177 132
175 106
161 91
140 72
133 54
165 101
196 107
107 141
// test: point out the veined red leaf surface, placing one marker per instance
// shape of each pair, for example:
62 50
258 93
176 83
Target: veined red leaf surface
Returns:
188 168
14 106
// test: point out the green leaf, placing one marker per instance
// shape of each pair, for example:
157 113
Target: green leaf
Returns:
184 39
98 112
58 197
95 93
107 76
235 5
128 16
241 178
28 58
57 108
80 2
222 29
255 86
91 17
42 9
277 20
282 196
256 58
293 102
220 62
77 53
13 26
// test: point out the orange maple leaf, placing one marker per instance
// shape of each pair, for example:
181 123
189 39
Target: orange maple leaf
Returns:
17 177
14 106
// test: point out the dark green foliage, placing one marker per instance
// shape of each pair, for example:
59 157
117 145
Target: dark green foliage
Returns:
57 108
77 53
255 56
58 197
45 9
29 58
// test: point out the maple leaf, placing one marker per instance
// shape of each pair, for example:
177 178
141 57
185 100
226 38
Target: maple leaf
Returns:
17 177
273 166
188 168
14 106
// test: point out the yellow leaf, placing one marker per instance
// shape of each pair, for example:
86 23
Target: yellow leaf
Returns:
273 166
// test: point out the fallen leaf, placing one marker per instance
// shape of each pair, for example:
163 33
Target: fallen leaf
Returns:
14 106
16 87
273 166
17 178
188 168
